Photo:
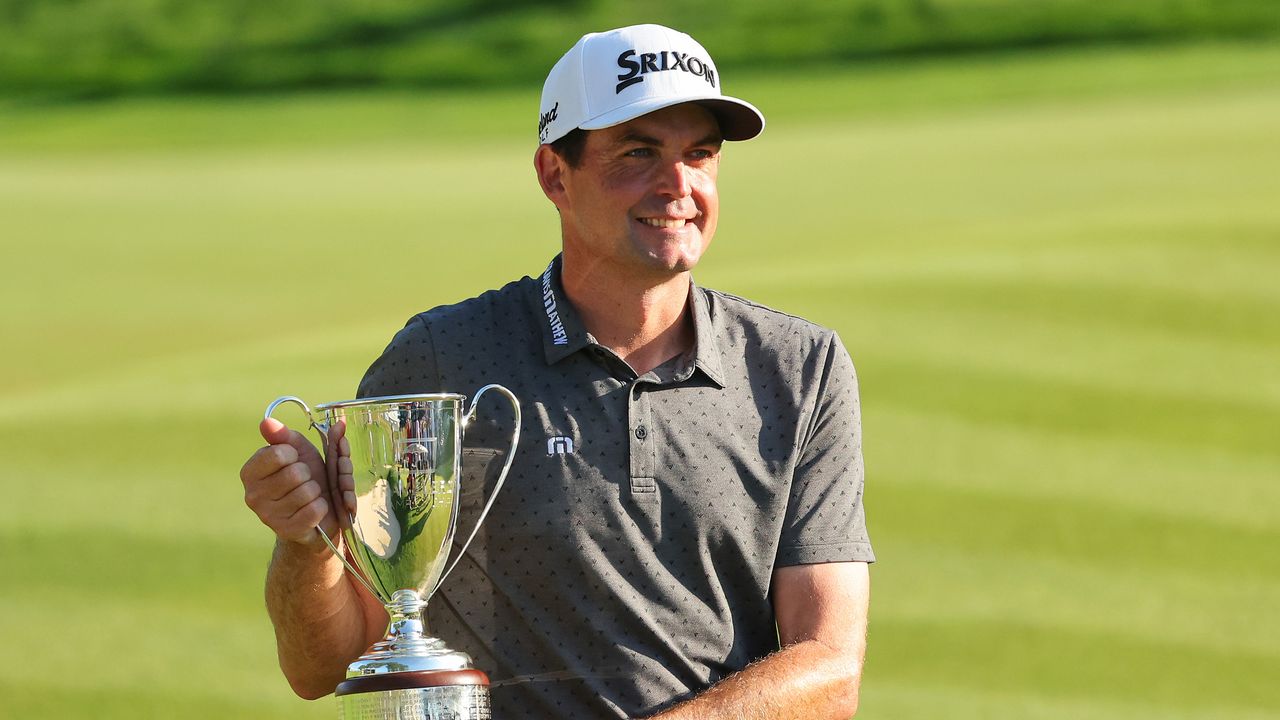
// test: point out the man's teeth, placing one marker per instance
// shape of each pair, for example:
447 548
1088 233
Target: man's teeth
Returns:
663 222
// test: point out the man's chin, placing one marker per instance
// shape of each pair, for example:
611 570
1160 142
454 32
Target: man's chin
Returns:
671 265
672 260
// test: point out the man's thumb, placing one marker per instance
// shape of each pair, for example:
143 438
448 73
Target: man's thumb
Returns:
274 431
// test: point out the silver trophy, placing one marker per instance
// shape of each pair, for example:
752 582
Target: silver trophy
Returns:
406 456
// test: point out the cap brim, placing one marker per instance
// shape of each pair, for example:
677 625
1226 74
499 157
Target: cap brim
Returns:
739 119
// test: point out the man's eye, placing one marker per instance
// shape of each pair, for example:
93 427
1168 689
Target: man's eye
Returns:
640 152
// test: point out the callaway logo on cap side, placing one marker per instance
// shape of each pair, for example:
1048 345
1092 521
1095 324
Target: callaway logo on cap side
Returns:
546 119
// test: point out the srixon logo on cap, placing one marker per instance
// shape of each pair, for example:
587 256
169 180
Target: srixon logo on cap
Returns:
637 66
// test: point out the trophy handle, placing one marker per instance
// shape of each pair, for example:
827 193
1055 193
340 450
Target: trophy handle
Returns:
322 428
502 478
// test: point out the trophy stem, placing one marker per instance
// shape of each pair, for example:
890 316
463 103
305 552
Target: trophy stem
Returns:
406 624
407 647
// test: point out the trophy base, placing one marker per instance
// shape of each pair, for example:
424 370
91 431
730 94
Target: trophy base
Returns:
429 695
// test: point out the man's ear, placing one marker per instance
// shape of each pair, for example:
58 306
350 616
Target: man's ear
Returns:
551 169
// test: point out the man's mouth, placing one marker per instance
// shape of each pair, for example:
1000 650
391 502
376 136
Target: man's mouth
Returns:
668 223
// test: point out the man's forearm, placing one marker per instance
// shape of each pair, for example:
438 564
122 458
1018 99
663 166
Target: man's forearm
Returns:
319 621
807 680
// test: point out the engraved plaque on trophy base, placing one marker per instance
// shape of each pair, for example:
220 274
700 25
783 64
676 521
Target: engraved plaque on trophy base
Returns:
432 695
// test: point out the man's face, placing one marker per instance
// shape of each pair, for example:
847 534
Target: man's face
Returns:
644 196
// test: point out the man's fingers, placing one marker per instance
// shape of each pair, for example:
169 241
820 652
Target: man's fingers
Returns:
280 494
261 492
294 517
315 514
303 522
300 497
343 493
346 478
267 461
332 461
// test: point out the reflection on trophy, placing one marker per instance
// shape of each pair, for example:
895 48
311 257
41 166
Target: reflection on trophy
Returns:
406 455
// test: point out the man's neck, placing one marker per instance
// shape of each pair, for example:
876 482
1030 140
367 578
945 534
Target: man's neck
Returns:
646 321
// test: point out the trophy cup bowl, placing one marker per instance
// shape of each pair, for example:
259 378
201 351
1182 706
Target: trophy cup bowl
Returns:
406 457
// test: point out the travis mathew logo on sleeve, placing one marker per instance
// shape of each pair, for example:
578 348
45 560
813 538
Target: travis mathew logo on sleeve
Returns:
637 66
558 335
545 119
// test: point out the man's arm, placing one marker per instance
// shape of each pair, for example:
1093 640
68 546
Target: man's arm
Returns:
821 611
322 621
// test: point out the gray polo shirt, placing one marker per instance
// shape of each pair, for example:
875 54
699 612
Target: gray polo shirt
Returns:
627 563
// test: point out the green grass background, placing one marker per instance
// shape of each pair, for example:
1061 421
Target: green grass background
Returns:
102 48
1058 273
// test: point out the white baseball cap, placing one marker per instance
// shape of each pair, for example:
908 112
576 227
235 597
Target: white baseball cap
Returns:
611 77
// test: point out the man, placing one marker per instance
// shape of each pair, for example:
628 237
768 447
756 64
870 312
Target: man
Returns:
682 532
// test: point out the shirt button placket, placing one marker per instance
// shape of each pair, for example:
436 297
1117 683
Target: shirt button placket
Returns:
642 451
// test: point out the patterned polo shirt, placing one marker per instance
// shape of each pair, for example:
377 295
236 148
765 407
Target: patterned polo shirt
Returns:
626 564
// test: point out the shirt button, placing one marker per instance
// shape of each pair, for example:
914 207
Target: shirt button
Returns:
641 433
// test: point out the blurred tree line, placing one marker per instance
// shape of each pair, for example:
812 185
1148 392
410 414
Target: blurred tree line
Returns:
86 48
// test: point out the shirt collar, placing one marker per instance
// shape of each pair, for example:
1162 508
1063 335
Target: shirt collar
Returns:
706 349
563 332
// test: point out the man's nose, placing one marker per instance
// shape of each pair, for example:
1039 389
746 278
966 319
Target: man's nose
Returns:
674 180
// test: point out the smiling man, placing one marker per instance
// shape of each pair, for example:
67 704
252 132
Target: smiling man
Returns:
682 534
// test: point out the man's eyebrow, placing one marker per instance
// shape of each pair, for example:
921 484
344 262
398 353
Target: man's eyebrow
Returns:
714 138
632 137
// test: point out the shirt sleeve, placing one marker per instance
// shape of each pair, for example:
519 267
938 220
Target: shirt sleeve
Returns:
407 366
825 521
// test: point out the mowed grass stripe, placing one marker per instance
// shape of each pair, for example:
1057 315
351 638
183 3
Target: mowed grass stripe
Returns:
894 699
1170 602
946 181
214 576
209 378
126 645
1072 409
45 698
1120 472
1215 254
1074 353
168 479
1070 665
176 256
1126 540
1105 308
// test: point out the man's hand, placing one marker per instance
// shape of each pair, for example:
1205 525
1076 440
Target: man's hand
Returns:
293 488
